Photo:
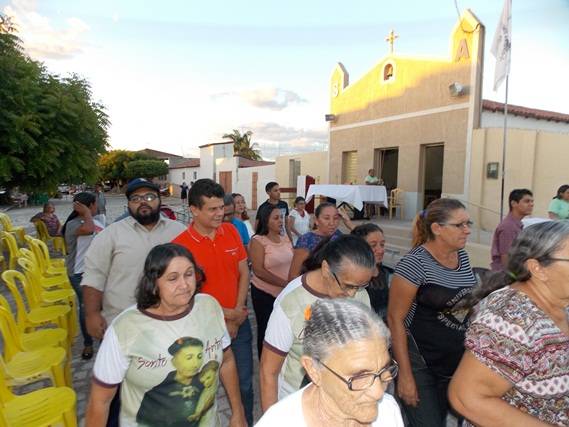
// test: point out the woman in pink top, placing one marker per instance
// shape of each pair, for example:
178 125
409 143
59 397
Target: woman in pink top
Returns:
270 252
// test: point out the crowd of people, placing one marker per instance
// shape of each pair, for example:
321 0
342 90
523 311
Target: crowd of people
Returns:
175 322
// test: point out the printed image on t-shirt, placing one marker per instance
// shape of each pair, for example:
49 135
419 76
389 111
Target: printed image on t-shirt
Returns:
186 396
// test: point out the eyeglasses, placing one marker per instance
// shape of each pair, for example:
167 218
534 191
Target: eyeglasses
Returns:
349 288
365 381
147 198
559 259
462 225
229 215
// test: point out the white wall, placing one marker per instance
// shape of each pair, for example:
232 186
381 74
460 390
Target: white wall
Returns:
176 177
495 119
242 178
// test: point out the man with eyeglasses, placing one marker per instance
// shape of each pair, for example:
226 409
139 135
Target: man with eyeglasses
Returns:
116 257
521 205
218 249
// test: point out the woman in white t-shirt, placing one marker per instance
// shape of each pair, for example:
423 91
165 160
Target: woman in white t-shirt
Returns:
298 219
160 350
346 357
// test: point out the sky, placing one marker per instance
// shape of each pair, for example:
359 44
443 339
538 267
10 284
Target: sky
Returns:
178 74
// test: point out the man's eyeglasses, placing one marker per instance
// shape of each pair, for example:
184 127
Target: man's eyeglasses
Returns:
349 288
147 198
462 225
229 215
365 381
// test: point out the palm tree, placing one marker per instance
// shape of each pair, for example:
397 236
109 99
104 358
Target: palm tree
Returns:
242 145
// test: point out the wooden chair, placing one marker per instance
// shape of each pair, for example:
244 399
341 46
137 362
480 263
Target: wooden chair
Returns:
46 407
9 228
43 235
396 200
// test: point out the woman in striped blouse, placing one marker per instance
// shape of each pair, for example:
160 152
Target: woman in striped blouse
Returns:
424 314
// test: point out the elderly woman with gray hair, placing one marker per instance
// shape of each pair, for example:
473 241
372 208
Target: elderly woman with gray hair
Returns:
515 370
346 357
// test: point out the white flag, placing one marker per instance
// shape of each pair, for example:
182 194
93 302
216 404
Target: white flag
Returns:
502 44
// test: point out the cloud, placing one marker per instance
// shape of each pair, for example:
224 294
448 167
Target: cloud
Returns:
275 139
266 97
41 40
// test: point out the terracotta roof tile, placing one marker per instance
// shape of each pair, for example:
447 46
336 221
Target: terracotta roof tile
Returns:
533 113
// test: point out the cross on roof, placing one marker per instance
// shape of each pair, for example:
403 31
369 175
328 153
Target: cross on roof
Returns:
390 40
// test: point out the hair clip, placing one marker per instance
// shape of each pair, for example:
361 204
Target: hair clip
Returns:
512 276
307 313
424 213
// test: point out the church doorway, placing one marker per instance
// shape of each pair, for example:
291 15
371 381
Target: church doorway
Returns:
388 165
433 161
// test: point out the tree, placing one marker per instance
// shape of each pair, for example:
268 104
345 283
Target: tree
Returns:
146 168
113 165
51 131
242 145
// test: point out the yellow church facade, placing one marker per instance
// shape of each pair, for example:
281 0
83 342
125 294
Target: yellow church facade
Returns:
411 118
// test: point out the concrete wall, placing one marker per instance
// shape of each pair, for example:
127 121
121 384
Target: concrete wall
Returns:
242 179
314 164
176 177
534 160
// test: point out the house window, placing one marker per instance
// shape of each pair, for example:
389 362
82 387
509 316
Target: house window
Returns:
195 175
183 175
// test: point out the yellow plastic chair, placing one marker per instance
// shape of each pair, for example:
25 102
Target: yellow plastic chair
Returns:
9 228
29 320
48 265
30 341
396 200
12 246
43 298
46 407
48 282
43 235
25 367
3 261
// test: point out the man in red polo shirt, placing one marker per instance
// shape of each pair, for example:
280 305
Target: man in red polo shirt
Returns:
218 249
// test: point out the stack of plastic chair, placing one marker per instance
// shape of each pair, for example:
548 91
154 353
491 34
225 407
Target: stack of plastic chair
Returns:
9 228
12 245
46 407
43 235
43 298
48 265
47 281
30 341
29 320
24 367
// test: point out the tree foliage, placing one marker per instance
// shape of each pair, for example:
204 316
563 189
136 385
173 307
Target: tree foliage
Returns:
146 168
51 131
242 145
113 165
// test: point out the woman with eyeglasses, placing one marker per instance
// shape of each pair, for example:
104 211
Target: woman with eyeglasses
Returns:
424 314
346 356
339 267
515 370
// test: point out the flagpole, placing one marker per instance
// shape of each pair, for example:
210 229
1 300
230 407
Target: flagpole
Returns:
504 151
